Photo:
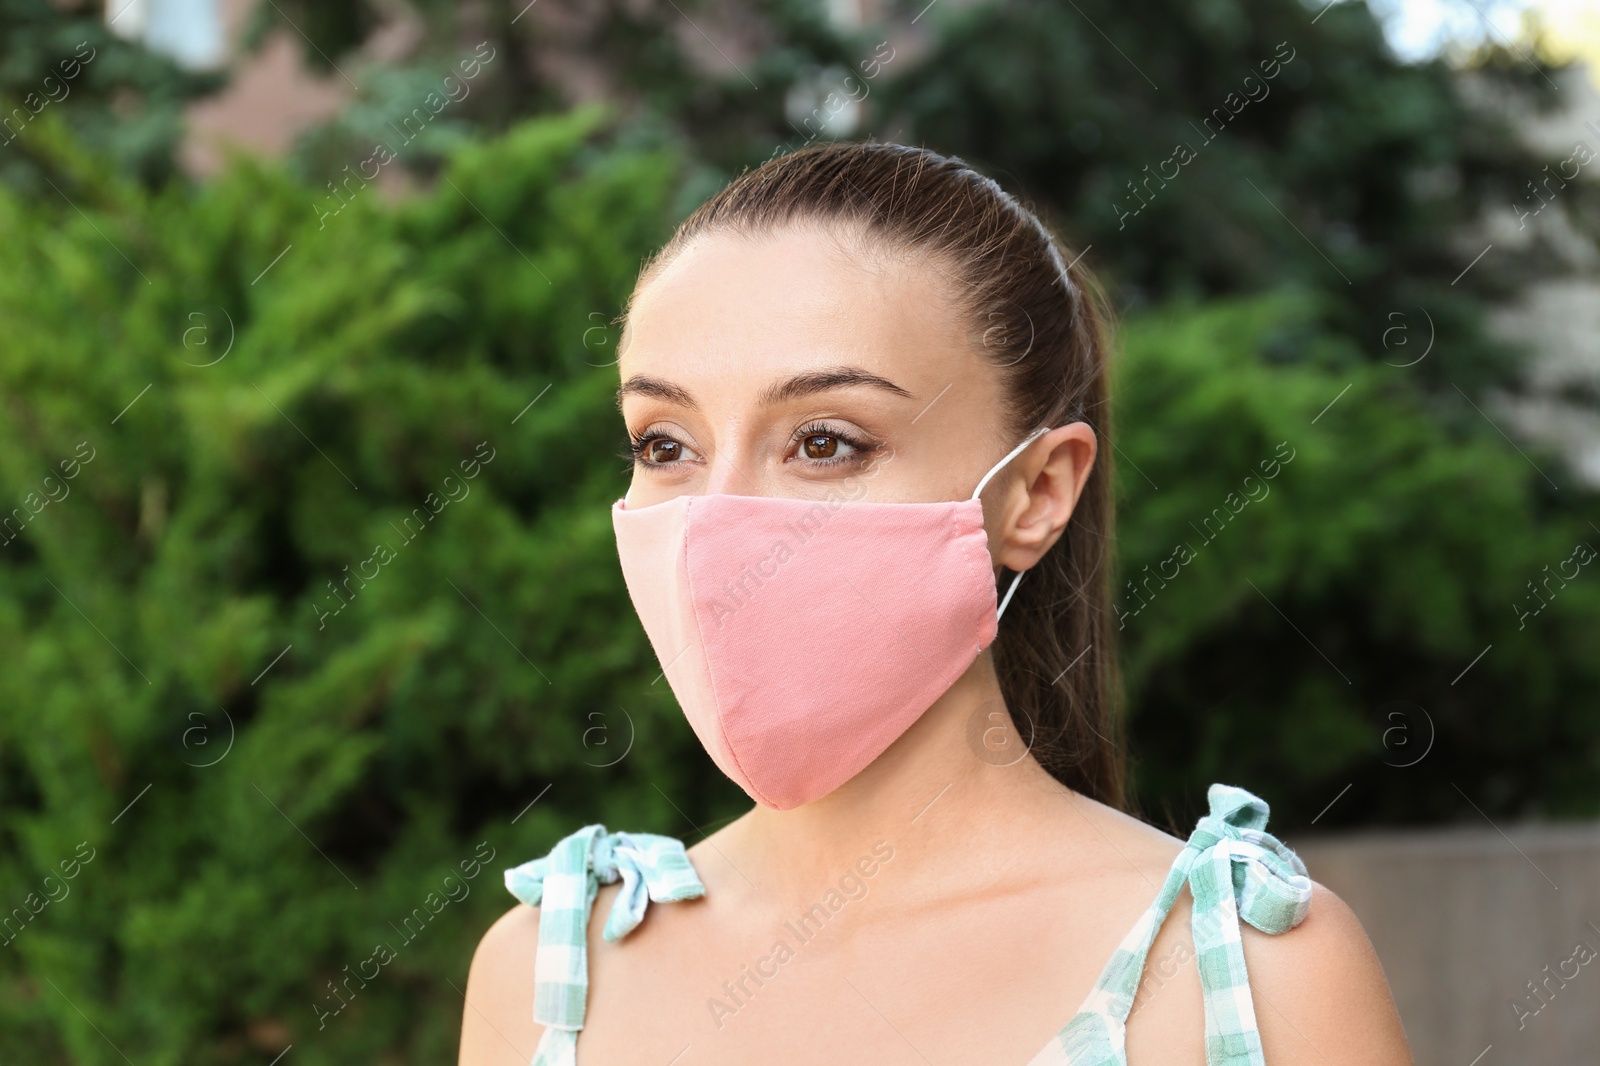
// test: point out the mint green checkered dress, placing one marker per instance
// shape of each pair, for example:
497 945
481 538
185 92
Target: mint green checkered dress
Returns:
1233 867
563 885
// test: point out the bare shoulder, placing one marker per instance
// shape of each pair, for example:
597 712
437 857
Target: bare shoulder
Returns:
1119 840
1319 990
1320 993
497 1026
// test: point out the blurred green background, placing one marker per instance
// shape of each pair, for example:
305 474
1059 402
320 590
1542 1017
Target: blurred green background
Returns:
221 394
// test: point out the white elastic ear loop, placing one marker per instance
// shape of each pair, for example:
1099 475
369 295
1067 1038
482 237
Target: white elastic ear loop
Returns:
1012 454
1007 599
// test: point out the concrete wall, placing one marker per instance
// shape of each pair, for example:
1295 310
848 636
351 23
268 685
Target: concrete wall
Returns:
1464 920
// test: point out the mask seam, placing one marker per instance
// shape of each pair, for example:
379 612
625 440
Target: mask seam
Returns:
973 551
711 678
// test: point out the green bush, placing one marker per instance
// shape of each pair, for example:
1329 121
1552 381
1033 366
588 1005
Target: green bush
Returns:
1318 629
302 770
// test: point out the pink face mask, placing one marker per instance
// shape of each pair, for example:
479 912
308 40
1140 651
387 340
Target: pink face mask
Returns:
802 637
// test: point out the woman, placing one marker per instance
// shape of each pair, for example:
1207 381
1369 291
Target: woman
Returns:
860 383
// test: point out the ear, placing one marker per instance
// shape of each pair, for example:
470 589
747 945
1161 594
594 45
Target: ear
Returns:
1042 494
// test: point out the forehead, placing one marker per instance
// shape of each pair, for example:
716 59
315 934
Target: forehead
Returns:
739 310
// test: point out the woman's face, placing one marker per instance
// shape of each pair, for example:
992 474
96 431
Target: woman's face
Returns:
782 367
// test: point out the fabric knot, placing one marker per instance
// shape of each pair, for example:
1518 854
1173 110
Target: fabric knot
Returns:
1238 870
564 884
1234 869
1268 883
1232 811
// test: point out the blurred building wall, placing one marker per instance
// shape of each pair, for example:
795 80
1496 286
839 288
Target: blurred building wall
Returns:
1491 942
270 99
1559 317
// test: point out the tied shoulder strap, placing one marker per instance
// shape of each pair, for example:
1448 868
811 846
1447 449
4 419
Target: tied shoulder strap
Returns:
563 885
1234 869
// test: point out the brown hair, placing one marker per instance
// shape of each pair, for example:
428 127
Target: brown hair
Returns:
1045 322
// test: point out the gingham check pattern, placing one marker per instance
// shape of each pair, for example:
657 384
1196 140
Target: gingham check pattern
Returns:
563 885
1234 870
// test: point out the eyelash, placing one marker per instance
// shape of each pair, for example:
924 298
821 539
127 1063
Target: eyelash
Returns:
818 429
634 453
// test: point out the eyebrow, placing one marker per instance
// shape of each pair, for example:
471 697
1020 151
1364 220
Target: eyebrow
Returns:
806 384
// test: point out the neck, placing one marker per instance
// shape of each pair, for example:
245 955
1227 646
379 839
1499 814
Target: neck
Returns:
941 789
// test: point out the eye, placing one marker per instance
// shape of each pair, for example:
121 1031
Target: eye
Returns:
657 448
823 445
816 444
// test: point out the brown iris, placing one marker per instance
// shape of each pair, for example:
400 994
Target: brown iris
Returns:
820 446
662 450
